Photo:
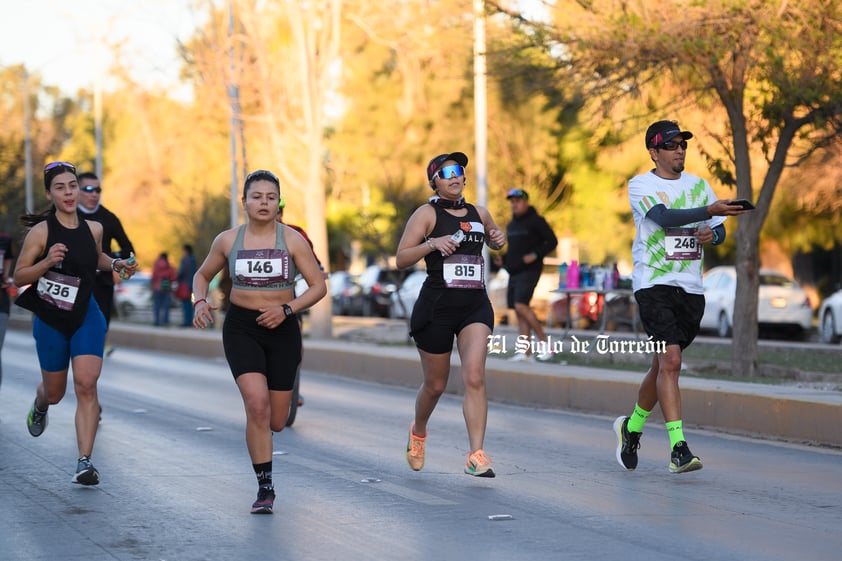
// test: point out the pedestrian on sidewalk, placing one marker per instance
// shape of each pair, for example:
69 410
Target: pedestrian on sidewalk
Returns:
60 257
261 334
7 256
91 207
530 240
675 214
449 234
186 270
164 276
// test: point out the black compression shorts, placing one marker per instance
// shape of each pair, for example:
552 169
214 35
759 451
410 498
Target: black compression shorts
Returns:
249 347
441 313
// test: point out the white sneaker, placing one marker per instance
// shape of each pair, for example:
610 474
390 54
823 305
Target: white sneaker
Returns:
522 357
545 356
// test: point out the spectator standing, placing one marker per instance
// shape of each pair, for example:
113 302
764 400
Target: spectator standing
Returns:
90 205
530 240
186 270
6 257
675 214
163 277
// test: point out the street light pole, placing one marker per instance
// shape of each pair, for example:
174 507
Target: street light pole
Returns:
480 114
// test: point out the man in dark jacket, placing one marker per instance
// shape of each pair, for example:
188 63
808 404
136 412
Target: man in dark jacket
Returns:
112 230
530 240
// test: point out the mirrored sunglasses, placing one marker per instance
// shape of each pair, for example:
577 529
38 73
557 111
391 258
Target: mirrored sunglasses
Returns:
56 165
449 172
91 189
670 146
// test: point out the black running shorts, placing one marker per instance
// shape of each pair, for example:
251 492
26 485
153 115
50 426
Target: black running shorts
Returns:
521 287
441 313
670 314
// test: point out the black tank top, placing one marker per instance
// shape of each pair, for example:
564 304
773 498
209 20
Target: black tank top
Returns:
60 298
446 224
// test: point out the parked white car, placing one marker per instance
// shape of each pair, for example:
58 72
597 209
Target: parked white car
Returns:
133 295
830 318
403 299
782 303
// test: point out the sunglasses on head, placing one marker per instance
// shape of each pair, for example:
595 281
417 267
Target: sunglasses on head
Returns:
56 165
669 145
262 174
91 189
449 172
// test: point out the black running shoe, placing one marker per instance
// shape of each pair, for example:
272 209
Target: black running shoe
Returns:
265 501
86 473
627 443
682 459
36 421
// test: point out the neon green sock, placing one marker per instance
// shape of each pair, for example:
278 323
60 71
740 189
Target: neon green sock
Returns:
638 417
675 432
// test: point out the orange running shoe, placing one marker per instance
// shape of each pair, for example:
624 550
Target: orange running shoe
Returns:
479 465
415 449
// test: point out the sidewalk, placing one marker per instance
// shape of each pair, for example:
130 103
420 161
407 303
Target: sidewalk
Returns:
776 412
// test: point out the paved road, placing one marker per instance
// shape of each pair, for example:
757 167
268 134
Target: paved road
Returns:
173 492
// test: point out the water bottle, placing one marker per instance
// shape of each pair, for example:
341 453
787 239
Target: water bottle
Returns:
608 279
573 275
130 261
585 279
599 277
562 275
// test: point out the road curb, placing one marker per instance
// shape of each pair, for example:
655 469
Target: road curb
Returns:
770 411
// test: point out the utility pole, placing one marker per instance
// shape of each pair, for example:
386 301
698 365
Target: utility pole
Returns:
98 123
233 102
27 143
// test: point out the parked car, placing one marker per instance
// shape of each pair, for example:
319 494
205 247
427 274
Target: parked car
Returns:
344 291
830 318
403 299
133 295
782 304
377 285
550 306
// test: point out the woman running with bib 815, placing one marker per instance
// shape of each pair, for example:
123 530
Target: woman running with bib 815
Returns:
449 235
60 256
261 334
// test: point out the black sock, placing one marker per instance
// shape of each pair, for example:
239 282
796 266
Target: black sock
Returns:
264 474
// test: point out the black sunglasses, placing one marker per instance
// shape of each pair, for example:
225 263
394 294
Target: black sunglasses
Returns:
670 146
91 189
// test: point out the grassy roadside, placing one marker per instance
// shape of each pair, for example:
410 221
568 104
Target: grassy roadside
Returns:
776 364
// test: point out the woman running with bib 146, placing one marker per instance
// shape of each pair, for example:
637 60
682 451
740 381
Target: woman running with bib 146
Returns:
261 334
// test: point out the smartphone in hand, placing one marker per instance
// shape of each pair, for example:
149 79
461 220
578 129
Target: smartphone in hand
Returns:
744 203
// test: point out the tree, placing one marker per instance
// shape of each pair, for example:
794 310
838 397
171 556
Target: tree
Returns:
772 69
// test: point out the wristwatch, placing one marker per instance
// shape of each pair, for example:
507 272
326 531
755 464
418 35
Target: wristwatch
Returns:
287 310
